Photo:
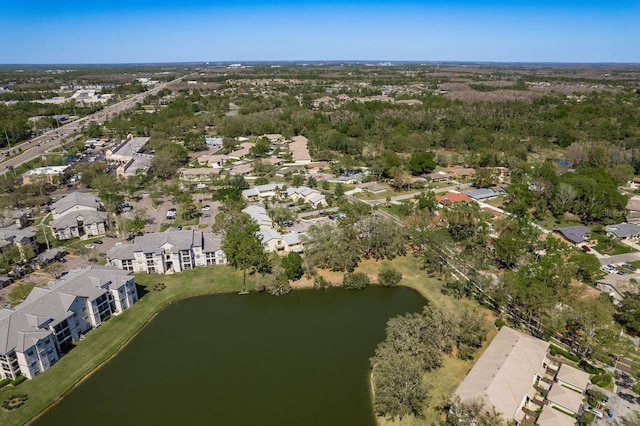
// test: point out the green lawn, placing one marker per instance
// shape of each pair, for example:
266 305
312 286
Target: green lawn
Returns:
602 247
103 343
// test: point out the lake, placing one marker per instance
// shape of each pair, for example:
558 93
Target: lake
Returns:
256 359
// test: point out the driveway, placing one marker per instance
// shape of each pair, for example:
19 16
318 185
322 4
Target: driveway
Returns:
619 258
622 401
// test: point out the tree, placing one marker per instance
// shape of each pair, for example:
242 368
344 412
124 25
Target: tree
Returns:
473 413
241 246
194 142
292 266
167 159
338 190
328 246
421 162
466 222
485 177
379 238
280 285
261 148
297 180
355 281
388 276
312 182
398 385
628 314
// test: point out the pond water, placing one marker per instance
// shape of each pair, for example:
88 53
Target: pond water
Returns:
299 359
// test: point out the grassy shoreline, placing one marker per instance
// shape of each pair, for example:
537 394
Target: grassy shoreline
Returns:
102 344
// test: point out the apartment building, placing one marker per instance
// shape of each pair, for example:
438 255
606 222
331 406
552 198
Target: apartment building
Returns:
77 215
168 252
35 334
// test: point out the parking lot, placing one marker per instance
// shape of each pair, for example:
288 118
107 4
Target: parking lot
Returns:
622 402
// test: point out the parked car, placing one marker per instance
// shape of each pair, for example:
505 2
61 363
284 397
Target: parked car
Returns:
205 215
206 208
585 248
98 242
629 267
595 411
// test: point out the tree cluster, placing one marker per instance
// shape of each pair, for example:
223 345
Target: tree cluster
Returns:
416 343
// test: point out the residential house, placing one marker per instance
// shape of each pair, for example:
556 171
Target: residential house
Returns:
299 150
275 242
573 234
437 176
20 237
464 172
77 215
200 174
215 161
623 231
550 416
568 391
633 206
241 152
452 197
310 196
168 252
371 187
19 217
215 143
273 138
261 192
35 334
481 193
505 374
259 215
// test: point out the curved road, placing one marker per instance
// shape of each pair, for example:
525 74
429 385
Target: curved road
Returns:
53 138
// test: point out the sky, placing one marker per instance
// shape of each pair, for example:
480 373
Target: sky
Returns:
144 31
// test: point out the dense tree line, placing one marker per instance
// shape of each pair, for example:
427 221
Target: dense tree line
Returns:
416 343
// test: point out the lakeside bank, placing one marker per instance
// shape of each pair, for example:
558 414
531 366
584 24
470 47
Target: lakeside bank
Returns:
102 344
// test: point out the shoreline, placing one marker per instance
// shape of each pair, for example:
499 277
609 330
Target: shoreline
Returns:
201 282
115 353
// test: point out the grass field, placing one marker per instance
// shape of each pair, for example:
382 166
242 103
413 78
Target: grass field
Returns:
101 344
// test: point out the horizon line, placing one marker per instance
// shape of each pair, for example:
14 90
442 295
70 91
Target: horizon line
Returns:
320 62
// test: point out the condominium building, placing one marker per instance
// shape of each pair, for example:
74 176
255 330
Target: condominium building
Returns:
168 252
35 334
78 215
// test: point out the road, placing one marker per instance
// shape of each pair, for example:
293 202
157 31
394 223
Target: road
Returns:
40 145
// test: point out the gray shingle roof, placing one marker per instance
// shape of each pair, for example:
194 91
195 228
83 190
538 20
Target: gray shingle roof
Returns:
70 219
20 326
575 234
75 199
623 230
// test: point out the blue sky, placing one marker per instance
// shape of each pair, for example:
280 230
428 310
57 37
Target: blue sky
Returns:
116 31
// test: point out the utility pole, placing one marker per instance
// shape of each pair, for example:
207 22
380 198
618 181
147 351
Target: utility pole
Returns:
7 136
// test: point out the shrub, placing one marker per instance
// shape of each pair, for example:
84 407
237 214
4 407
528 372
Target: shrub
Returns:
4 382
18 380
355 281
14 401
499 323
590 368
636 388
320 283
557 351
388 276
601 380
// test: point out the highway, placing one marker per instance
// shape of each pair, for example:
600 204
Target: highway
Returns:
40 145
